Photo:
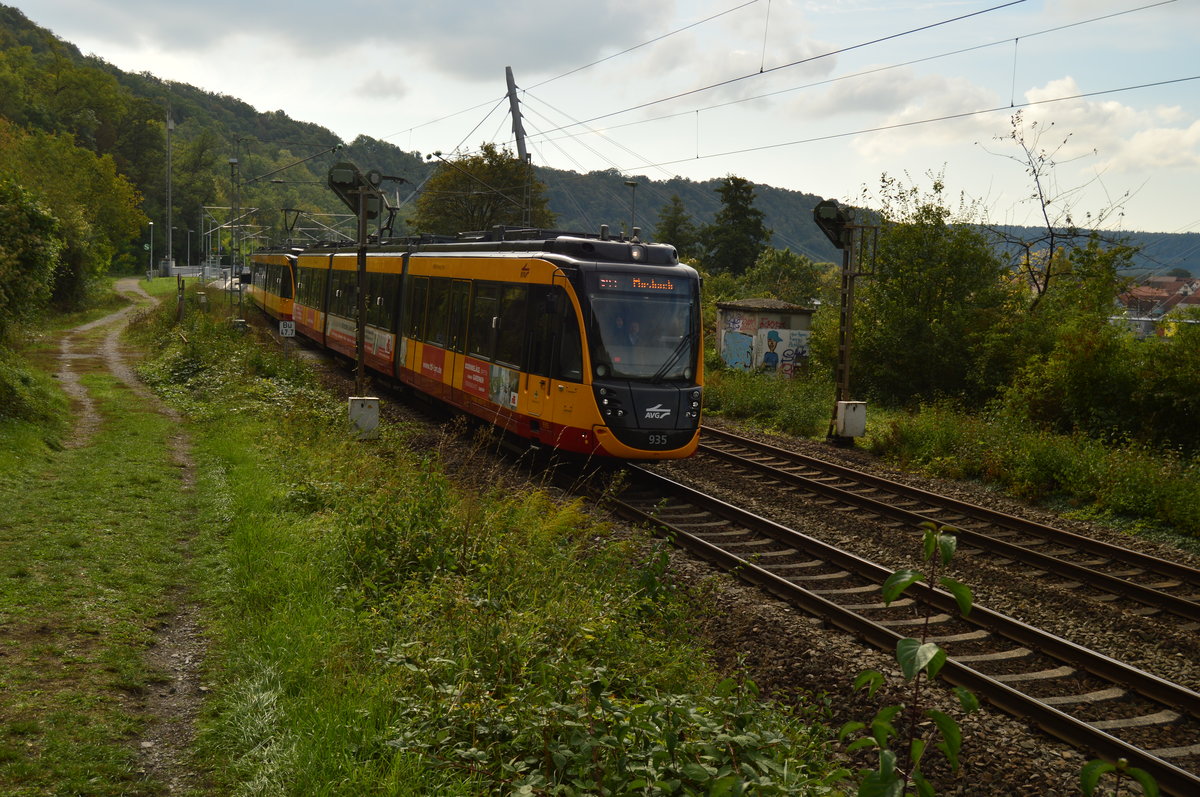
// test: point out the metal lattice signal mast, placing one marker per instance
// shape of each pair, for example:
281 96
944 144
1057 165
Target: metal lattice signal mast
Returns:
838 225
515 107
519 134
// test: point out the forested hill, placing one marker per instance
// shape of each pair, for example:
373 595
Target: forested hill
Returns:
49 88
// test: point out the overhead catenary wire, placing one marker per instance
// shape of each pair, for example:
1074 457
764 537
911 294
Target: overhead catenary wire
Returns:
570 72
862 73
646 163
799 62
918 122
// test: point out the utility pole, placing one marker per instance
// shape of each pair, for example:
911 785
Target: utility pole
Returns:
169 260
235 179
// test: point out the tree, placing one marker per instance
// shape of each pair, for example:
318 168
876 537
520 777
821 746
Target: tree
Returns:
29 250
96 209
478 192
783 274
737 235
1037 256
937 293
675 226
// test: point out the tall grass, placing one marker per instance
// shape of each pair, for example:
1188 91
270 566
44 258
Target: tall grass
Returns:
1148 490
1118 482
799 406
378 630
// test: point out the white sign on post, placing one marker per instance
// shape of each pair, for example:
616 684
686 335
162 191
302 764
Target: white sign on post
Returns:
287 329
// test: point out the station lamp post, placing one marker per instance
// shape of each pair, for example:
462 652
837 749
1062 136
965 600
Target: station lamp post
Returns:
150 270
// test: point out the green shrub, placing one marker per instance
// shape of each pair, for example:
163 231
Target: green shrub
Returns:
799 406
1125 481
29 395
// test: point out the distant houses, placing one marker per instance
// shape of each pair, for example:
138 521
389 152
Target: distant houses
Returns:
1146 305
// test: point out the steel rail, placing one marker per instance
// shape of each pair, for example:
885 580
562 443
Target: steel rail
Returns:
1163 566
1184 608
1057 723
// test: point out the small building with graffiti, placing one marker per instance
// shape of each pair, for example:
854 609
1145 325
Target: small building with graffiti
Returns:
766 335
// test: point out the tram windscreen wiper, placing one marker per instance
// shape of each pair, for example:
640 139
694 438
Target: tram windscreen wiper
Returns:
685 344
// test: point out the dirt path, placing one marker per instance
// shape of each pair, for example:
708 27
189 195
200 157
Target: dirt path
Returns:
172 705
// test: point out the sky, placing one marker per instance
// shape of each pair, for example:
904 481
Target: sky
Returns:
812 95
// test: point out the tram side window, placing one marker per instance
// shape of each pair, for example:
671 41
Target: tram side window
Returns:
390 306
285 282
485 307
380 292
414 307
510 337
343 300
460 293
543 329
554 344
570 348
438 324
310 287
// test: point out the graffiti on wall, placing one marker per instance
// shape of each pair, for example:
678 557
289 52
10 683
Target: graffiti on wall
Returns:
780 350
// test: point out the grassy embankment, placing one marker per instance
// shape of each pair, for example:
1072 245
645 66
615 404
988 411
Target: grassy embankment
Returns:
1148 492
375 629
89 556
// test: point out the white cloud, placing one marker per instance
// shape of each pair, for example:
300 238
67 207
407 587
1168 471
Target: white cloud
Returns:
914 99
1126 139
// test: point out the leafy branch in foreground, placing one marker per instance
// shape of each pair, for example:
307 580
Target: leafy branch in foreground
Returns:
1093 771
898 731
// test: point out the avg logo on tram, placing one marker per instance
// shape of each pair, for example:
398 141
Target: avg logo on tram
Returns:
582 343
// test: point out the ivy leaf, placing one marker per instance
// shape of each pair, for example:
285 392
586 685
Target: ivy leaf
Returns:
876 785
853 726
966 699
951 743
872 679
947 545
1089 776
898 582
916 750
1147 781
859 744
961 592
913 655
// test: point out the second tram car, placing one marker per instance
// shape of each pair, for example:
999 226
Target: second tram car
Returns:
272 282
584 344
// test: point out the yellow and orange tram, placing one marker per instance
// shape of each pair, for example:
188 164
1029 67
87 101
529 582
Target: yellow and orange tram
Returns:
272 282
589 345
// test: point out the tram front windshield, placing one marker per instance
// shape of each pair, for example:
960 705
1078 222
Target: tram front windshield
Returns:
643 328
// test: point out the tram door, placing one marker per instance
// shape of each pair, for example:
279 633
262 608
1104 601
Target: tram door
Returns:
540 358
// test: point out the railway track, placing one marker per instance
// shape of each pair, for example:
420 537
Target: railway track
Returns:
1075 562
1081 697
